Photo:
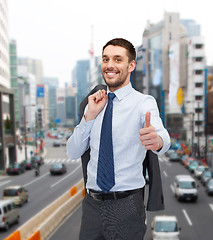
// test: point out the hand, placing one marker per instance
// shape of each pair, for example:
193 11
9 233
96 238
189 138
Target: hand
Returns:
96 103
149 137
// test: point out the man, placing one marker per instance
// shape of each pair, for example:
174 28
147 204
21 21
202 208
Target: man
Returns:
113 206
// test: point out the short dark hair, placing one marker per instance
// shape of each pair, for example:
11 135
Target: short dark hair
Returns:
125 44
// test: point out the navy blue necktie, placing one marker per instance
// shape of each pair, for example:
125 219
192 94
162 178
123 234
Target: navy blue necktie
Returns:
105 173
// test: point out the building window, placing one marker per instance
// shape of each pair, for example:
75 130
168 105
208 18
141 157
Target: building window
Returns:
198 46
198 110
198 123
198 72
198 59
198 134
198 98
198 85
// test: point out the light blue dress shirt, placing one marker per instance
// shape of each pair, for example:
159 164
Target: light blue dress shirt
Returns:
129 110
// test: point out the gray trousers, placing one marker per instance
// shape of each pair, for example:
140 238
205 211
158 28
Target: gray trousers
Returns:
120 219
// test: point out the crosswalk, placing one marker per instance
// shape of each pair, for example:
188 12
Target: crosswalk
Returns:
68 161
164 159
61 160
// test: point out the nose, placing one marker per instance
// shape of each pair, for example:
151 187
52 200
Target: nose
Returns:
110 63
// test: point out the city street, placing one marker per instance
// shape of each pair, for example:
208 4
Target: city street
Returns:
195 219
45 188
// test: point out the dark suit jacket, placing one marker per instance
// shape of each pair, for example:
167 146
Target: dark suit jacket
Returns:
155 199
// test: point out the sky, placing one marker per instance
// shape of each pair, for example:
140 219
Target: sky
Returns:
59 32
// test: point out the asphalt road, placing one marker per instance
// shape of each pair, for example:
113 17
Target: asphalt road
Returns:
43 189
195 219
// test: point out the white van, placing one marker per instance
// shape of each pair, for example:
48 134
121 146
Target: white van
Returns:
185 188
8 214
165 227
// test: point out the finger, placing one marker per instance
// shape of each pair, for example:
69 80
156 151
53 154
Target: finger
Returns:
98 96
147 120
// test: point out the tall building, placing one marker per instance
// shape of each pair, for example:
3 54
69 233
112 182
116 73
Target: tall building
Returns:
82 79
7 113
174 73
34 67
4 46
53 84
27 98
71 114
156 40
61 107
14 78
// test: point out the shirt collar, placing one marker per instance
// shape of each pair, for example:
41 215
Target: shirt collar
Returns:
122 92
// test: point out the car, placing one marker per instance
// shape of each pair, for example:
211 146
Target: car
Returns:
58 168
16 168
193 165
38 159
170 151
198 171
165 227
174 157
57 143
209 186
183 158
9 214
185 188
63 142
187 161
59 136
17 193
30 164
205 176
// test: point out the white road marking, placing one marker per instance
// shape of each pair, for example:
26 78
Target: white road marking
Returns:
4 182
38 178
63 160
172 188
165 174
211 206
187 217
65 177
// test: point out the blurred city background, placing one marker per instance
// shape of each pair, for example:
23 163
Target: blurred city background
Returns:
171 65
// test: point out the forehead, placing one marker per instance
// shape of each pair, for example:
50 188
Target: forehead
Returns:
111 51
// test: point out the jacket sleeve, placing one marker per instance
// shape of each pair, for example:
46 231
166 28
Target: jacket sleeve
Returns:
155 200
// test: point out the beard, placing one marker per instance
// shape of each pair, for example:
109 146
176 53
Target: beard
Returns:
118 82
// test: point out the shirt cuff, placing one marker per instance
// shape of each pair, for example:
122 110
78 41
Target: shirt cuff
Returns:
166 144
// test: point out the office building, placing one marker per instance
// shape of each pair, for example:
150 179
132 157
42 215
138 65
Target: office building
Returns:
7 112
174 73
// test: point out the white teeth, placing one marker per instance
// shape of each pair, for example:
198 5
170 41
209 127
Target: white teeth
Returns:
111 73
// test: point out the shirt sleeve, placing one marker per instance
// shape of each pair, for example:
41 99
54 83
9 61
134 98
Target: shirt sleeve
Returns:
78 143
150 105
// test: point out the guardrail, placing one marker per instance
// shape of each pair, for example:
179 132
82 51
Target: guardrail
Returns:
42 224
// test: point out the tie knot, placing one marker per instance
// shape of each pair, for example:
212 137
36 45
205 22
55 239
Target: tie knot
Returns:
111 96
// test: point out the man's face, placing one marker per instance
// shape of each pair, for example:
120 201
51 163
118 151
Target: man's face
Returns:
115 67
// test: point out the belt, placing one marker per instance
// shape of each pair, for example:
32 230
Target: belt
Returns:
100 196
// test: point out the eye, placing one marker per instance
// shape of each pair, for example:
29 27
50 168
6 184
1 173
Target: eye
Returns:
118 60
105 60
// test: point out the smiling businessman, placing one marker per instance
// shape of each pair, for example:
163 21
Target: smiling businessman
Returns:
119 126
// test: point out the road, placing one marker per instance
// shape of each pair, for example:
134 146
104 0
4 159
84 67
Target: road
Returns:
43 189
195 219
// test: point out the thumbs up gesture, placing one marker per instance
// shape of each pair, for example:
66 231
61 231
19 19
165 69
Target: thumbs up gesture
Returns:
149 137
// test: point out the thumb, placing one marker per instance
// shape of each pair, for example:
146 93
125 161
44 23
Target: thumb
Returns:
147 120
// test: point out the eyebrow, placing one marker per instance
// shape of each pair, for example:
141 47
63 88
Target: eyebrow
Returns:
115 56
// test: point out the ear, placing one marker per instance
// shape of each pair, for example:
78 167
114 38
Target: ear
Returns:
132 66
